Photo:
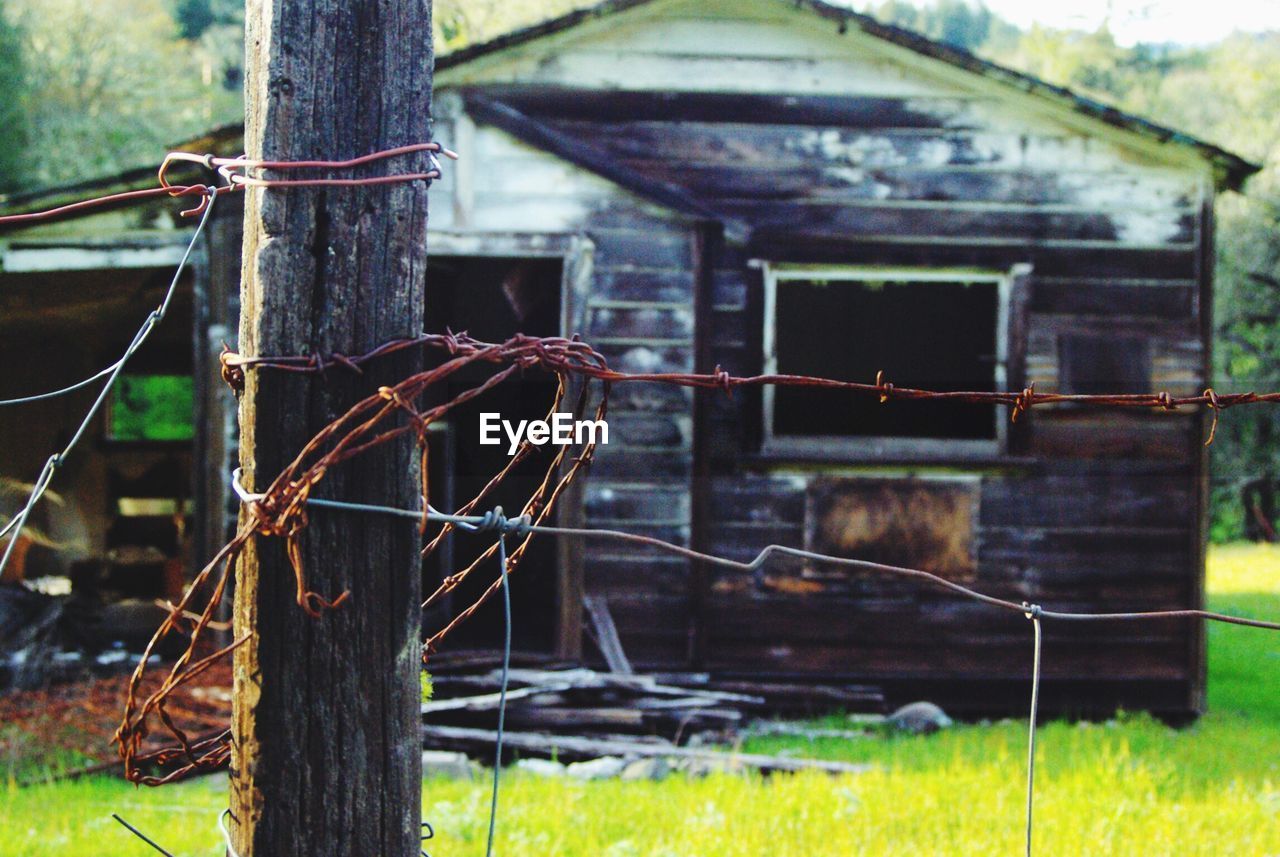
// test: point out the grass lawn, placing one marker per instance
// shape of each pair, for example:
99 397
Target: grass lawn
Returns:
1129 787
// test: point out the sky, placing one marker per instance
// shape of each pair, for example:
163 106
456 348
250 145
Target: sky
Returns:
1183 21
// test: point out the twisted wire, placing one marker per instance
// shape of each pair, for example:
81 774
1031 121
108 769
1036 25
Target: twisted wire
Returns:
235 172
565 354
506 673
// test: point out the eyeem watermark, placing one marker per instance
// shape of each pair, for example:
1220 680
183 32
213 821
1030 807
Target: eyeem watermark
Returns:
562 431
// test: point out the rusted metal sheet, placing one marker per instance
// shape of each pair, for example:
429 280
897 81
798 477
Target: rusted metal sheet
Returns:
916 523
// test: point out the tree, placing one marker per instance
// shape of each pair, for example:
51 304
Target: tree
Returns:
459 23
13 115
961 23
193 17
111 86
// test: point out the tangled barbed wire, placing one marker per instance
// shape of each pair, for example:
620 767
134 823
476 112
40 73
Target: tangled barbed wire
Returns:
280 510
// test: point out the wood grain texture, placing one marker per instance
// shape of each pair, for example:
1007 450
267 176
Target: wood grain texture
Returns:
327 748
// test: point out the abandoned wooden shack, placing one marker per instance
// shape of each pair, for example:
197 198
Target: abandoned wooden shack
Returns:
759 185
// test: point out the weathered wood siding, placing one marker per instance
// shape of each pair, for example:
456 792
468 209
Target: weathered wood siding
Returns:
822 146
638 311
1087 509
834 147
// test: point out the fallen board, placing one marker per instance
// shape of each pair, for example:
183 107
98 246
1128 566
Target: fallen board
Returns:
563 745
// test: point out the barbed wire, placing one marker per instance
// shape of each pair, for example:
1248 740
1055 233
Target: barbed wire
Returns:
1018 401
280 511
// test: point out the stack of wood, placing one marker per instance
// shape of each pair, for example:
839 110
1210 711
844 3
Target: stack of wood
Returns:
578 713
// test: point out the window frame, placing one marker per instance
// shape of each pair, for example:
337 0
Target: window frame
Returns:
874 447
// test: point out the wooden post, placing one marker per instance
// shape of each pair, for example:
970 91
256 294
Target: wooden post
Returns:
326 726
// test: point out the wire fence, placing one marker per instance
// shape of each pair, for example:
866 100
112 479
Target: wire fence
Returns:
584 380
279 510
13 529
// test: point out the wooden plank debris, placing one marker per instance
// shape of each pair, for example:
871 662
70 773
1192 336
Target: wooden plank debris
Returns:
562 746
607 634
580 713
491 701
590 679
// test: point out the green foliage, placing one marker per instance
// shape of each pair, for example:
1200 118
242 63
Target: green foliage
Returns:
111 86
459 23
961 23
13 106
152 407
194 17
428 689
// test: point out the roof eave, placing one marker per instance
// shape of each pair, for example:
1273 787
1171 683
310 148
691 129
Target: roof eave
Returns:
1230 170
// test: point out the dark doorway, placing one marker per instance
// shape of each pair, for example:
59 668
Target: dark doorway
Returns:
492 299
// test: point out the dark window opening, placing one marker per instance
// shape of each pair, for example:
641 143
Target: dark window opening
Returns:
492 299
925 335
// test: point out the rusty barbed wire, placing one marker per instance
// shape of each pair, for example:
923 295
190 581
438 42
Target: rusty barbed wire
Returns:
280 510
1018 401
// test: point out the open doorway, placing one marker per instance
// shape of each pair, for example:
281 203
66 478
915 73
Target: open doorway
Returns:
492 299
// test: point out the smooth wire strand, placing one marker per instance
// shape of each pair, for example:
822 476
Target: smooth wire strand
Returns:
757 564
14 528
53 394
1033 613
237 181
226 834
138 833
502 693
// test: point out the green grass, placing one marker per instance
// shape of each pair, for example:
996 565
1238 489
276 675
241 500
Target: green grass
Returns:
1129 787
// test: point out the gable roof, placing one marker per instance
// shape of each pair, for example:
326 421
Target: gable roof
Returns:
1230 170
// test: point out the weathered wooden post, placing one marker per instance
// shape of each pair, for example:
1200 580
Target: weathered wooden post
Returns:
326 729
